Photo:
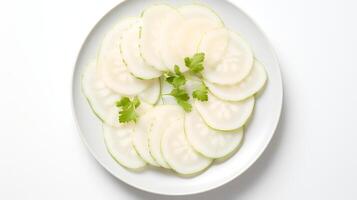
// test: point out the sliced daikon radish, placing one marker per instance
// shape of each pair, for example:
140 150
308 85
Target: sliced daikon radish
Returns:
110 65
244 89
130 49
178 152
152 94
100 97
235 65
141 139
200 11
225 115
169 43
152 28
214 44
209 142
163 115
185 33
119 145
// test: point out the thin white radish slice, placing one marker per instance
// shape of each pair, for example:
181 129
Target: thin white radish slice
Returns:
225 115
235 65
100 97
119 145
130 49
178 152
141 139
153 19
200 11
210 142
162 116
110 65
152 94
169 42
214 44
185 32
244 89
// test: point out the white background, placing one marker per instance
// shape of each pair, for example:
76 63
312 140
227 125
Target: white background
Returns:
312 156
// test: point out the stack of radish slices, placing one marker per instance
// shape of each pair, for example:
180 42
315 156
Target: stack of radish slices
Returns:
133 62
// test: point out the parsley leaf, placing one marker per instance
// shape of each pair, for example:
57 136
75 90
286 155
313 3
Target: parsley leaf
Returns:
201 93
124 102
185 105
128 108
176 79
182 98
180 94
195 64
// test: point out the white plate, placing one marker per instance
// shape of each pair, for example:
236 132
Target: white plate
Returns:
258 134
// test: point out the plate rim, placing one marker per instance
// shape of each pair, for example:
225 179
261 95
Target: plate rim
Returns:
258 155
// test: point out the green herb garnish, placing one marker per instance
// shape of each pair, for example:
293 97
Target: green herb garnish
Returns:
128 109
201 93
195 64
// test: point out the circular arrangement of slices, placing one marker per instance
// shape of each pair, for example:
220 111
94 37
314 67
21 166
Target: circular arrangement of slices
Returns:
174 88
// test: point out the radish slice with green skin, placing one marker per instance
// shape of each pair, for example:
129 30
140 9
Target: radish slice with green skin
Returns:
185 34
214 44
169 43
162 116
141 139
102 99
119 145
152 94
199 20
209 142
200 11
178 153
235 65
248 87
225 115
110 65
151 33
130 49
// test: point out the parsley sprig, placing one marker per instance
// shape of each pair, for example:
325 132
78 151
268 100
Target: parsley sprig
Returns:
195 64
201 93
178 81
128 109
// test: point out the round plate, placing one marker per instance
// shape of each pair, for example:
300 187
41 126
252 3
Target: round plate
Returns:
258 133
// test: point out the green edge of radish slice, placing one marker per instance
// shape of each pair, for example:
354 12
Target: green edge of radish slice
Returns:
235 65
119 144
209 142
225 115
100 98
110 65
162 114
140 138
251 85
130 50
179 154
